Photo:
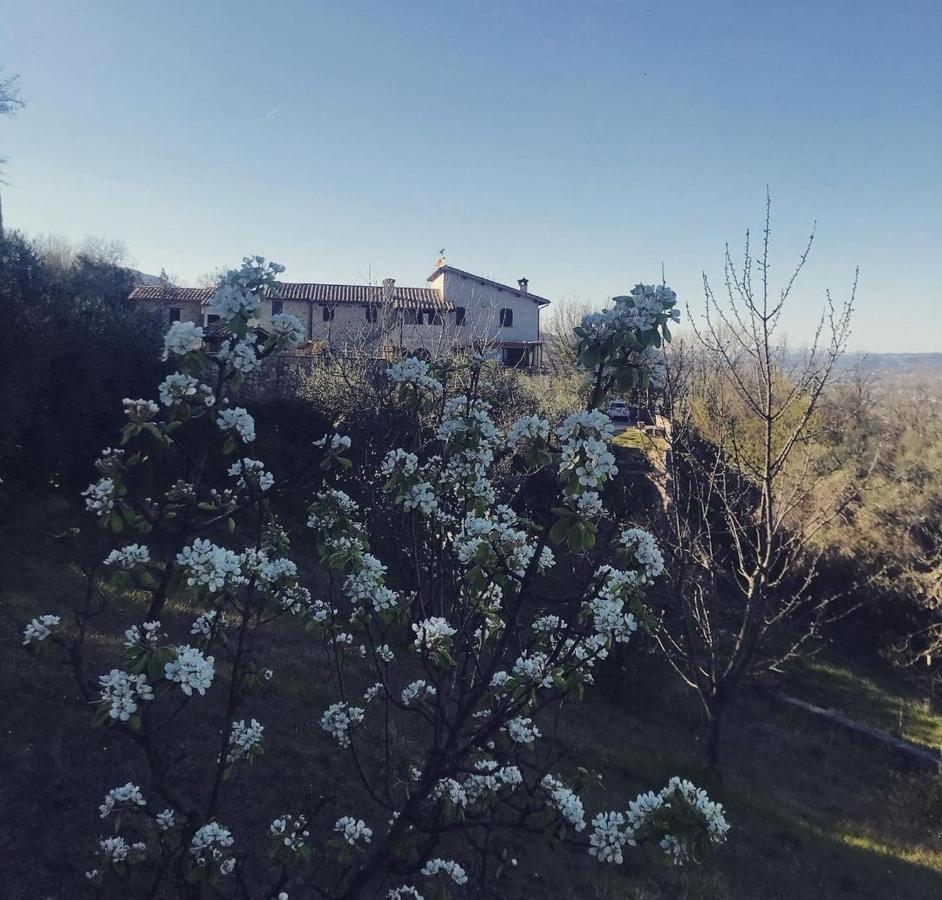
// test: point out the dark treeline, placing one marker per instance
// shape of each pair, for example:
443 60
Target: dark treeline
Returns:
71 348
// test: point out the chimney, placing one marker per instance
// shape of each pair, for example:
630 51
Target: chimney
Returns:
523 282
388 287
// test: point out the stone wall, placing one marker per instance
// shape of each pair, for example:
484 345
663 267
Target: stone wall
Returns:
282 375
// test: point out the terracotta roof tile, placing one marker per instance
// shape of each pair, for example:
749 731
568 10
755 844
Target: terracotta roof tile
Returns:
332 294
171 294
403 297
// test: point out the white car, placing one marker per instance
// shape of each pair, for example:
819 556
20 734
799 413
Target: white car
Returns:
618 409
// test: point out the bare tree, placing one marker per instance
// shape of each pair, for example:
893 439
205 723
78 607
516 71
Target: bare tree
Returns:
743 494
10 102
60 254
558 336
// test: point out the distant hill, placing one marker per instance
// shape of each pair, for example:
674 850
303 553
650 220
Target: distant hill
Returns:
143 278
895 365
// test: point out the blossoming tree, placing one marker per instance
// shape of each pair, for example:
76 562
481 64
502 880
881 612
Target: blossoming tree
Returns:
447 659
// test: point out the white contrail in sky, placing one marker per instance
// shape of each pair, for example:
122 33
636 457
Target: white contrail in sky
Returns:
283 102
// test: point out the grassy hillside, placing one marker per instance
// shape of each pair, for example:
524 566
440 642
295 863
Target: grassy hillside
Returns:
815 812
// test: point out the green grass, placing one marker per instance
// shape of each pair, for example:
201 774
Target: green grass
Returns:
870 695
635 439
814 812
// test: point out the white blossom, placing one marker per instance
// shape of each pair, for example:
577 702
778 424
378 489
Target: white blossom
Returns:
244 740
433 634
296 599
399 460
209 566
526 431
405 892
650 814
139 411
448 866
240 355
116 849
251 473
182 338
420 496
533 668
588 460
204 623
488 778
128 793
231 300
589 504
146 635
237 419
40 628
364 586
643 547
290 831
644 309
287 329
191 670
374 691
338 719
414 371
609 618
490 541
353 831
99 497
609 837
122 691
565 801
521 730
209 843
179 387
417 690
129 557
338 442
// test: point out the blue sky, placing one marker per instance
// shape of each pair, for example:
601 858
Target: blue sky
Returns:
580 144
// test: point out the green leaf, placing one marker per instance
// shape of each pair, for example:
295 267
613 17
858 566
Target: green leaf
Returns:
559 530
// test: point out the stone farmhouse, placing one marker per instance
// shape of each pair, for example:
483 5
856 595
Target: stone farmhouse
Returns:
455 310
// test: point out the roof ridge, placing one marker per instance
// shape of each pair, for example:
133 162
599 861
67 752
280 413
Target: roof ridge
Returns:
542 301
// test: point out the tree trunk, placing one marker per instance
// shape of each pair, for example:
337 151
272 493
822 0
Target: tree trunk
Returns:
716 713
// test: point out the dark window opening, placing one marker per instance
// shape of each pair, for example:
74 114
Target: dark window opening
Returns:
327 313
175 313
459 315
412 317
433 317
277 307
372 314
515 356
212 318
506 318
